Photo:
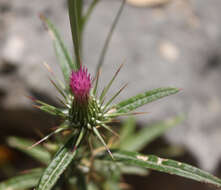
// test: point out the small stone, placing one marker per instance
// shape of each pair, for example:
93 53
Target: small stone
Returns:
14 49
150 3
169 51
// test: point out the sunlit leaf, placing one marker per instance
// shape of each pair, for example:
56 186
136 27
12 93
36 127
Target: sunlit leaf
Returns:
143 98
162 165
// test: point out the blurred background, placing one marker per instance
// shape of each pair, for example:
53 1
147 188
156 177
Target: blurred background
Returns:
162 42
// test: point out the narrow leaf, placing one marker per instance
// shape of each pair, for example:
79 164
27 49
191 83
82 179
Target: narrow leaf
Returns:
59 83
73 6
63 56
133 170
51 109
116 114
96 132
96 83
109 129
112 99
106 88
59 89
38 153
148 133
162 165
143 98
60 162
109 36
61 128
25 181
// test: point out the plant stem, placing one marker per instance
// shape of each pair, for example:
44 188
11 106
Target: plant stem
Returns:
75 14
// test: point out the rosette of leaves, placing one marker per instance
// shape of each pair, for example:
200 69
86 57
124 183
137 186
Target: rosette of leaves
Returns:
84 115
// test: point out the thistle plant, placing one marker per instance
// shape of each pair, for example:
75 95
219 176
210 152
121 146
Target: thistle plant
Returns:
76 160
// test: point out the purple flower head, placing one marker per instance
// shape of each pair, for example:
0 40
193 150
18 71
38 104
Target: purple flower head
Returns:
80 83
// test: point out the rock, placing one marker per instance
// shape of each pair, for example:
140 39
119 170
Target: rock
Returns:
148 3
169 51
176 45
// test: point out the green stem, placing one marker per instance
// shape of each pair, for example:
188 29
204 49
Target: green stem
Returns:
74 9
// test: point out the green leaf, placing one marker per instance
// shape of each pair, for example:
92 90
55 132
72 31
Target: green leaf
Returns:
52 109
25 181
97 134
61 128
106 88
133 170
109 36
38 153
162 165
96 83
127 130
113 97
149 133
108 128
60 90
74 14
60 162
143 98
115 170
63 56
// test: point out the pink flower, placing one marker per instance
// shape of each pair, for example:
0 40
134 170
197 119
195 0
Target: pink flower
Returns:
80 83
